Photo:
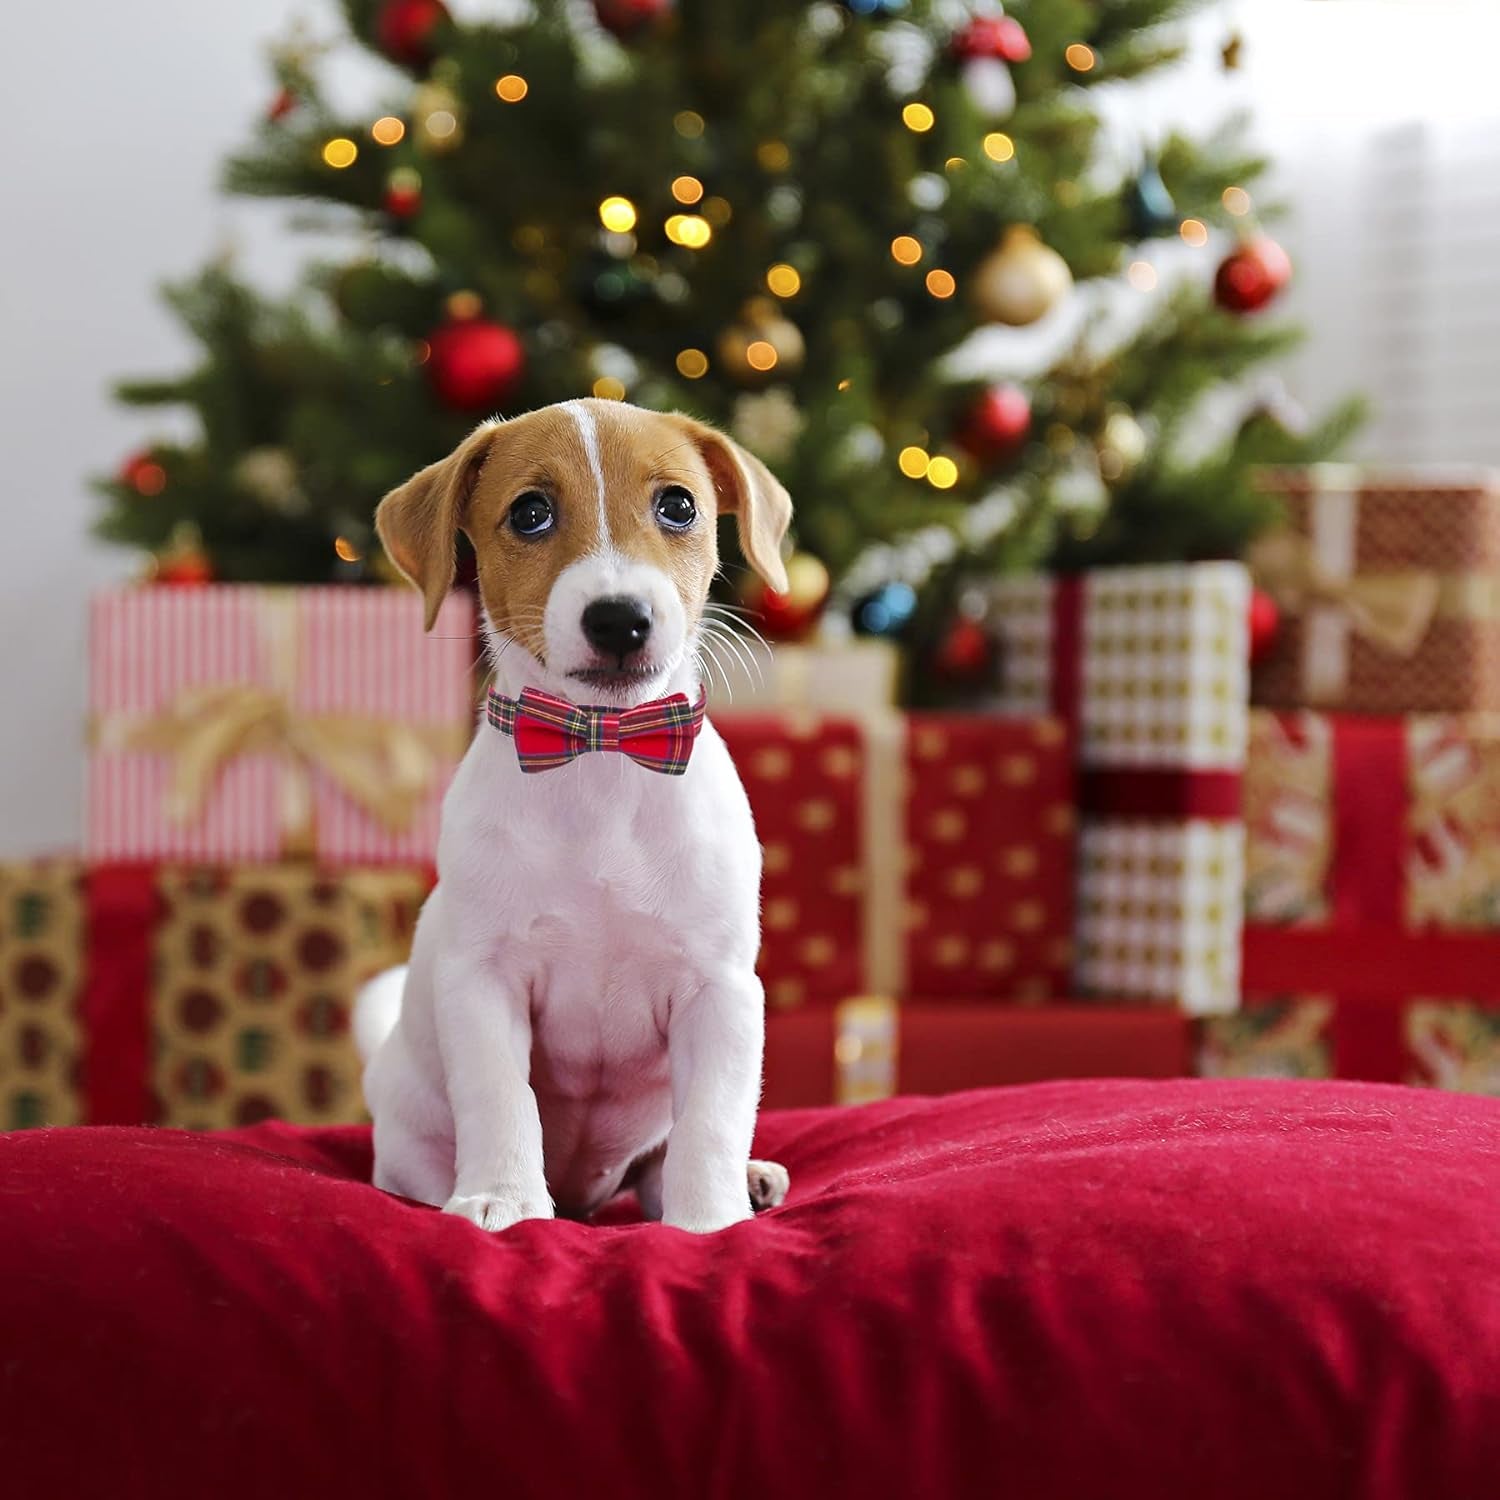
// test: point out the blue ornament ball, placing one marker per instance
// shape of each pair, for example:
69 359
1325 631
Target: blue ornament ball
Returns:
878 9
885 611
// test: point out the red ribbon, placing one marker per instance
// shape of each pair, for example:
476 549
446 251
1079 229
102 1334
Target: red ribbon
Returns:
122 908
1365 956
1151 793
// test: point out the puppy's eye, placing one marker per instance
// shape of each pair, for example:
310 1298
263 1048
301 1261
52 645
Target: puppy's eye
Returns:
531 514
675 508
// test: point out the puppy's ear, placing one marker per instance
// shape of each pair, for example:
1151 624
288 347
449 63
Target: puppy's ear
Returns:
418 522
748 491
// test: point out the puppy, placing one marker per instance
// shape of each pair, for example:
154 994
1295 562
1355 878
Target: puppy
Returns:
581 1012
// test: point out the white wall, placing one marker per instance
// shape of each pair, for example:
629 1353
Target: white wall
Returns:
121 114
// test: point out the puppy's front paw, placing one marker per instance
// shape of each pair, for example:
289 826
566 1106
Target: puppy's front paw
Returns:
706 1220
499 1209
769 1182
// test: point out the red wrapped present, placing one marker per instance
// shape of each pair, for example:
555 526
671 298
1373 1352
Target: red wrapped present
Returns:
929 850
235 723
1443 1044
872 1048
1373 858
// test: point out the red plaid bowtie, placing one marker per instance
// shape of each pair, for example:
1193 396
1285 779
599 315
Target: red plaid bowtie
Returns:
549 732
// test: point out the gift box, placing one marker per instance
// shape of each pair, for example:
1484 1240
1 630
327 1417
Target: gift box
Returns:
1148 665
240 723
1387 585
200 996
930 850
1451 1044
853 677
1373 857
872 1048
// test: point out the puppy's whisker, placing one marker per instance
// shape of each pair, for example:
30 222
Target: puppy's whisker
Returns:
747 662
743 627
705 656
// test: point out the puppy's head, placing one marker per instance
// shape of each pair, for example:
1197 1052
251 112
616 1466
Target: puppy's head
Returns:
593 525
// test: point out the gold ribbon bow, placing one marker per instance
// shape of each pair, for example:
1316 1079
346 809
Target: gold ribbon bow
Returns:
386 768
1390 610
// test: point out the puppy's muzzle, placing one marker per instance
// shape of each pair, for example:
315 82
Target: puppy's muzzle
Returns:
617 627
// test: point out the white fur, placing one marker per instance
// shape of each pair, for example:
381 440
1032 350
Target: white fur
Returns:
582 985
588 432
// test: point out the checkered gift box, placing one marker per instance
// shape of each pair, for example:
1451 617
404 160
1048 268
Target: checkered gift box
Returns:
1149 665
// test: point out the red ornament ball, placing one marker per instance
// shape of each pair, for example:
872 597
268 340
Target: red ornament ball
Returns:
1265 625
184 567
474 364
625 18
143 473
788 616
966 653
403 30
403 194
1251 276
996 426
281 106
991 36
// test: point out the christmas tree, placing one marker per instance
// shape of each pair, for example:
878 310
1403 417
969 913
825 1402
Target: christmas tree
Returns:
781 217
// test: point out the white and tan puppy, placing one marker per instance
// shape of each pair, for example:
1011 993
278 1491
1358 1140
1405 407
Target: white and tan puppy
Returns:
581 1011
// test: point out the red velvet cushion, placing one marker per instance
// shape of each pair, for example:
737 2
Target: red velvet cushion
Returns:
1103 1289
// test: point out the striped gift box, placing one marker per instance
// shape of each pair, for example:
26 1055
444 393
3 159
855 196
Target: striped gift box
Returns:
243 723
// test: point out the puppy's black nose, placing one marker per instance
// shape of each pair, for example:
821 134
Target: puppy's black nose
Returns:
617 626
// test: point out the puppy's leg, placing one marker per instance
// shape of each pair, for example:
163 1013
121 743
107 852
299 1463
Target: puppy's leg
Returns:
768 1182
714 1042
484 1032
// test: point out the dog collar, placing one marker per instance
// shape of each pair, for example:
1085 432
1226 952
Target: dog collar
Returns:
549 732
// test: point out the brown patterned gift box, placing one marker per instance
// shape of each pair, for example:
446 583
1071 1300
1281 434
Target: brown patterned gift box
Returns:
41 960
1389 585
193 996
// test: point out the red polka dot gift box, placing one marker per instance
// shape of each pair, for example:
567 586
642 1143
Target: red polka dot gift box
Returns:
238 722
910 854
201 996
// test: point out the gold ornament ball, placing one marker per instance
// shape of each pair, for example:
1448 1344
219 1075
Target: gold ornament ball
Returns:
764 345
1022 280
789 616
1122 444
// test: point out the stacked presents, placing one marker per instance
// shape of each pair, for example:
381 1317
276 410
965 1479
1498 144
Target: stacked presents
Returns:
1053 885
1372 799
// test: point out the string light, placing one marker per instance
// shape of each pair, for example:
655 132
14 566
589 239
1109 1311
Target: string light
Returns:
941 283
441 123
913 462
954 164
844 385
1080 58
345 550
717 211
773 156
617 215
690 230
692 364
1236 200
607 388
942 473
998 146
688 123
918 117
1193 231
387 130
1141 274
464 305
759 355
421 352
687 189
512 88
340 152
905 250
783 280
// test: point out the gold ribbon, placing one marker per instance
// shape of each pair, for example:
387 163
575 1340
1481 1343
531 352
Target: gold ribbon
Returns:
388 769
1390 610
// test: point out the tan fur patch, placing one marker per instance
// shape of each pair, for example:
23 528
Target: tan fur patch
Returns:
640 453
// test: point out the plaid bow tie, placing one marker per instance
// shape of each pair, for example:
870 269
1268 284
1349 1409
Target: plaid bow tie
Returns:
549 732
